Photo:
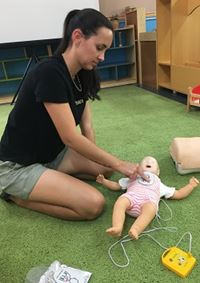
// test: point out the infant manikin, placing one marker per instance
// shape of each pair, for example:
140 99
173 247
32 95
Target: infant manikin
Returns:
141 191
142 197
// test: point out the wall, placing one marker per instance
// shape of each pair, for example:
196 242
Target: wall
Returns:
22 20
111 7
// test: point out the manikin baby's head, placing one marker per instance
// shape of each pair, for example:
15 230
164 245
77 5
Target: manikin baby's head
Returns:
150 164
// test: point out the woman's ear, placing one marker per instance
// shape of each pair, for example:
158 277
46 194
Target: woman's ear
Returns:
77 35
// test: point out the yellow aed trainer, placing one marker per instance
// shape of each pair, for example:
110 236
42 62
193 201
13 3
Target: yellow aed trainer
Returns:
178 261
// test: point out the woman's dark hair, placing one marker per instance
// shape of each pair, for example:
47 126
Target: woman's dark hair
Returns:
88 21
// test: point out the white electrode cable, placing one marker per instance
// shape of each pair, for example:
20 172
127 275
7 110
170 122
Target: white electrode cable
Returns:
145 233
190 240
170 212
121 241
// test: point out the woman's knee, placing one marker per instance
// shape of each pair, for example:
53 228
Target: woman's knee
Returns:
94 207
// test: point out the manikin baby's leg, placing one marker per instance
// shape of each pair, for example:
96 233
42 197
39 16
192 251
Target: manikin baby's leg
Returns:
118 218
148 212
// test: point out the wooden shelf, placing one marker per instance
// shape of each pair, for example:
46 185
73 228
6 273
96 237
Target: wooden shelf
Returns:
137 17
166 63
6 99
193 64
119 66
165 85
148 59
110 65
178 44
114 83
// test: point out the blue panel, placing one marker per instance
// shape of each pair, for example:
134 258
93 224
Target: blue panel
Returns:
15 61
115 56
11 53
120 38
107 74
40 50
2 75
16 69
54 46
150 24
123 71
122 23
8 87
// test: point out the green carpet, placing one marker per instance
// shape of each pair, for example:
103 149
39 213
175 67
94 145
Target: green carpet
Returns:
131 123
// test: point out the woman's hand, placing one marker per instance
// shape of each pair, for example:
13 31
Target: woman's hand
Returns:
131 170
127 168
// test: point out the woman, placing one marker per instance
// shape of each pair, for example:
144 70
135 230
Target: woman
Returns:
43 156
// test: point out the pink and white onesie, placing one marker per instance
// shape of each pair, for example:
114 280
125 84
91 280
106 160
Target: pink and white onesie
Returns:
141 191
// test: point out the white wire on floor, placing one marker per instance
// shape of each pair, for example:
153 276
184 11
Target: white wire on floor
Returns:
126 239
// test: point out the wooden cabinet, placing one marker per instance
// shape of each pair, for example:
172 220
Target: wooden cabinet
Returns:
137 17
163 14
178 44
119 66
148 59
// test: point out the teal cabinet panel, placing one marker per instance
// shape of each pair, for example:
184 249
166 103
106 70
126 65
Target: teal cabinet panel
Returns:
14 62
11 53
15 69
119 67
2 73
8 87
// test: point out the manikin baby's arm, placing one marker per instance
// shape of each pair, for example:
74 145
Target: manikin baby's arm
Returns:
114 186
186 190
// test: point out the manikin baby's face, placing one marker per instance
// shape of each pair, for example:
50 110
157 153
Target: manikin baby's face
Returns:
150 164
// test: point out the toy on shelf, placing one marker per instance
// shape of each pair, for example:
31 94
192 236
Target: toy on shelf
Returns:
193 98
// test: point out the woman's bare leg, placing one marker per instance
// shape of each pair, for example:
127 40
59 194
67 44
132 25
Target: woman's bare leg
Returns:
60 195
75 164
49 209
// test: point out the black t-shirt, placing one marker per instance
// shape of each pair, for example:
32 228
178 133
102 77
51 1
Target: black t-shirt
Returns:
30 135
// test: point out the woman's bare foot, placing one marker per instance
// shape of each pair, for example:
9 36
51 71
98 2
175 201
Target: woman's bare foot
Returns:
114 231
133 233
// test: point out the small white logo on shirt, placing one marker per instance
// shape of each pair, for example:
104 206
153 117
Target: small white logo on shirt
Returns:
78 102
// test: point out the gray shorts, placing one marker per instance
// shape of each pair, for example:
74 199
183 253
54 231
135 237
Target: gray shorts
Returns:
19 180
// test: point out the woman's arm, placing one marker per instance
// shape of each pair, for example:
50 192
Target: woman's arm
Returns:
86 123
63 120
